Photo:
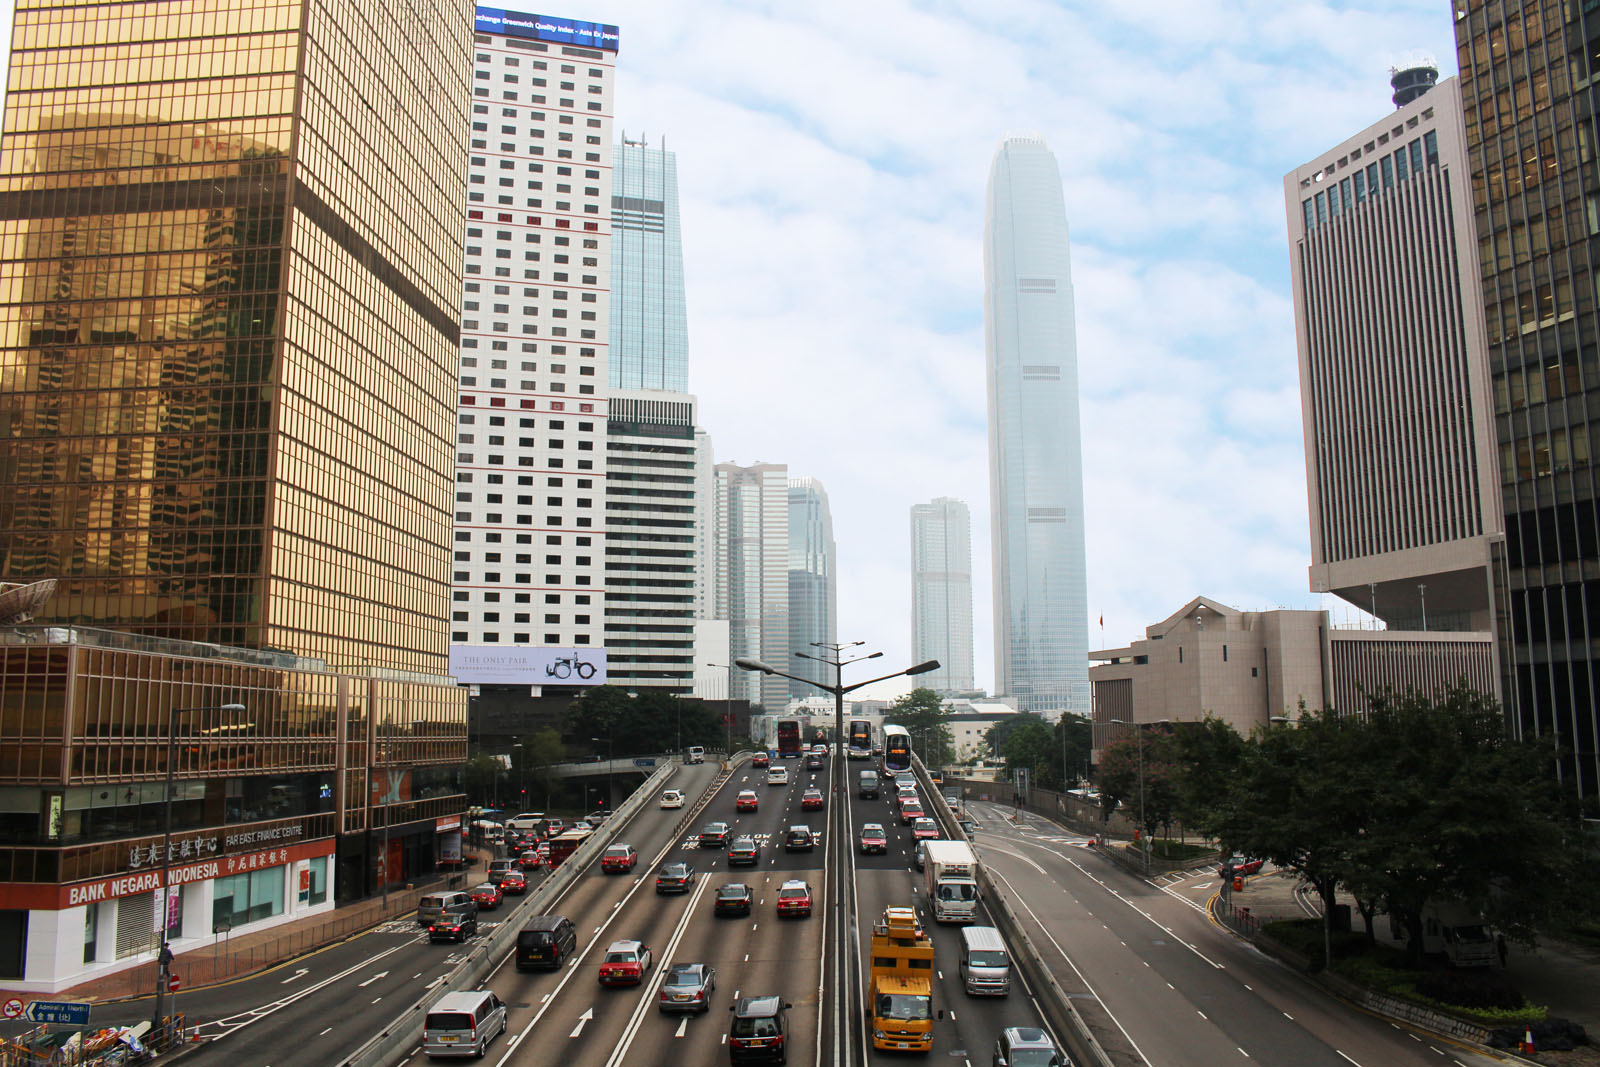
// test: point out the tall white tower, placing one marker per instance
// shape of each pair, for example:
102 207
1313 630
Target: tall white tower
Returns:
941 593
1041 614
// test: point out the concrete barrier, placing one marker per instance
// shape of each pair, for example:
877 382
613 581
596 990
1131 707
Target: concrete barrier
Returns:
401 1037
1062 1018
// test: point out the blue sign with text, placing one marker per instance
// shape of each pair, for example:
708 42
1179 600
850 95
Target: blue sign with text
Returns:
545 28
644 761
62 1012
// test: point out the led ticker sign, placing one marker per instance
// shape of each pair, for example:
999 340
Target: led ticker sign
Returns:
545 28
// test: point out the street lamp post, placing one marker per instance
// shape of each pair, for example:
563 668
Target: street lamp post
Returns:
522 776
609 771
164 957
1143 827
842 903
727 703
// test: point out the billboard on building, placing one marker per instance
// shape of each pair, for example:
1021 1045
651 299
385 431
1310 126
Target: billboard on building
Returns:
546 28
499 665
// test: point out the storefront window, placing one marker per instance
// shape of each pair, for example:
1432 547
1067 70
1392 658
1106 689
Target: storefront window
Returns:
247 898
91 930
318 869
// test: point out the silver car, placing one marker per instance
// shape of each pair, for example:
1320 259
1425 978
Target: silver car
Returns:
1027 1046
687 987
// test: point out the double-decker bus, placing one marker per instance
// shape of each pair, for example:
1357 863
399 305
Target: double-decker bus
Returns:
788 738
859 738
896 748
565 844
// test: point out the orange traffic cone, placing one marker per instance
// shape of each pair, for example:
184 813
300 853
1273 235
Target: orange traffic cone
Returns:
1527 1040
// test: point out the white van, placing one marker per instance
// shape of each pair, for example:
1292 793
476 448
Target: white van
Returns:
463 1024
985 964
777 775
695 754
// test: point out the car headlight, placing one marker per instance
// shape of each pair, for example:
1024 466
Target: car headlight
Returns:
879 1034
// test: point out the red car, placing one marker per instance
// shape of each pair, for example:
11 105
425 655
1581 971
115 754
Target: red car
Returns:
760 759
530 860
625 963
910 811
924 830
746 801
487 896
811 800
873 839
1241 866
618 858
794 899
514 882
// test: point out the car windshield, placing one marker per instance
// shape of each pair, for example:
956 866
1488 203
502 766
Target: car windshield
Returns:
683 978
1475 934
449 1020
617 852
762 1027
987 959
898 1006
733 892
621 957
958 891
791 894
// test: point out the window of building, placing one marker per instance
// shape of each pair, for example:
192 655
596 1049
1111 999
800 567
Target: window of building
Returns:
247 897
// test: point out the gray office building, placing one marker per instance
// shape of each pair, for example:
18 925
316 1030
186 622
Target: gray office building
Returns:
941 593
813 583
750 520
649 316
1041 613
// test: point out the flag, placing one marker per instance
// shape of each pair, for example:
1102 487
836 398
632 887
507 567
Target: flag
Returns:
1102 622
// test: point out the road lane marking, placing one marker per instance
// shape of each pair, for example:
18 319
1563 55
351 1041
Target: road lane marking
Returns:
296 976
374 978
683 1027
583 1020
651 984
1347 1057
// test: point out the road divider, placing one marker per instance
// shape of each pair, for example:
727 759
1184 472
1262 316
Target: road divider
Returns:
1059 1013
401 1037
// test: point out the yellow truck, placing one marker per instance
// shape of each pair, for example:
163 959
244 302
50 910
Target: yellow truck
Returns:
900 989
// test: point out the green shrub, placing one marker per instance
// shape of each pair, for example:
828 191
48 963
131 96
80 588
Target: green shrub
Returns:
1178 850
1471 989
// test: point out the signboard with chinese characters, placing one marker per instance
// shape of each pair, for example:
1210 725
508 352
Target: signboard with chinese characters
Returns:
499 665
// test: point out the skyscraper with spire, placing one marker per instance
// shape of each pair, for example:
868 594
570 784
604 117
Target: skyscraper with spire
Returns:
1041 616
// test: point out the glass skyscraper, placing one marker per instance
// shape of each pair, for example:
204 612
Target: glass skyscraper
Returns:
649 320
1041 615
941 593
813 583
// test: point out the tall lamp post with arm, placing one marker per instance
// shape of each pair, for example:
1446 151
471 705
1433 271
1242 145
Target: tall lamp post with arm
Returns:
1139 726
609 770
842 904
164 957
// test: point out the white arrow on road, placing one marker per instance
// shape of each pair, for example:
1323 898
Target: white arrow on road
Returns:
374 978
582 1019
683 1025
296 976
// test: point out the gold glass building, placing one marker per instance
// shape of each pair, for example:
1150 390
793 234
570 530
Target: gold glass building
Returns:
229 317
231 256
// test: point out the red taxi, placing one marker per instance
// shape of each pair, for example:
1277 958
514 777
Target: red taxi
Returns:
811 800
794 899
618 859
760 759
514 882
487 896
625 963
746 801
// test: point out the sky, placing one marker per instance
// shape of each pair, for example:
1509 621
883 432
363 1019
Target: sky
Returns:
832 158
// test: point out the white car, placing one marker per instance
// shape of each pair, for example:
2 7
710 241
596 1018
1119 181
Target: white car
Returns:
777 776
672 798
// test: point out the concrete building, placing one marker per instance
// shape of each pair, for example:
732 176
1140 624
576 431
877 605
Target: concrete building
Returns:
1400 445
232 313
706 559
1244 667
531 462
650 547
813 583
941 593
751 531
649 313
1041 611
1527 78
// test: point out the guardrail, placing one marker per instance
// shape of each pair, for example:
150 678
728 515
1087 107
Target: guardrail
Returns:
1064 1020
402 1036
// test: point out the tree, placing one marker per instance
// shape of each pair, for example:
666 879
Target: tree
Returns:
651 720
1209 757
531 762
483 773
1120 774
1032 746
923 714
1074 742
998 734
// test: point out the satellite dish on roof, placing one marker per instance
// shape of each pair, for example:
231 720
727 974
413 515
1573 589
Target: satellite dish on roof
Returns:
19 602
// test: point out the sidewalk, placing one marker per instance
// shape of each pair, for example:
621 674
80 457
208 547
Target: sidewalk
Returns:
245 953
1562 976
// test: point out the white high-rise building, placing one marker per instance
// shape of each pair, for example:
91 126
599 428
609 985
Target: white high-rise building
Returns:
751 529
1041 612
941 593
531 459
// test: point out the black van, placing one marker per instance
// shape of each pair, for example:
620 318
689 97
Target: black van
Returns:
760 1030
547 941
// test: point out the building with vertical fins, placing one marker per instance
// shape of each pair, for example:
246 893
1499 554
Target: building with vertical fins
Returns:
1394 378
228 392
529 579
1527 77
1041 615
813 583
941 593
649 314
751 527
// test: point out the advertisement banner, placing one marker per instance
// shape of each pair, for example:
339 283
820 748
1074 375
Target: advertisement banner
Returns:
499 665
546 28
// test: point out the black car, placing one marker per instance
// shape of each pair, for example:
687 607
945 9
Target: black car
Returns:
799 839
733 899
813 763
760 1030
453 928
715 835
675 878
744 852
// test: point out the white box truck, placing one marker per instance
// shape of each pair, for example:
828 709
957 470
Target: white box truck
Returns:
951 868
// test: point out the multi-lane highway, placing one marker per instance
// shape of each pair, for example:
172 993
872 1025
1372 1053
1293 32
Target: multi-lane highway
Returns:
1159 983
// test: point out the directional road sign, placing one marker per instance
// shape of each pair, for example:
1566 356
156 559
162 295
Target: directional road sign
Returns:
63 1012
644 761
